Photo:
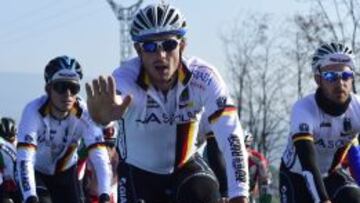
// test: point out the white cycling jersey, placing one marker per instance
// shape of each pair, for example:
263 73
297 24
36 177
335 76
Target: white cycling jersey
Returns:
50 145
8 159
158 132
332 135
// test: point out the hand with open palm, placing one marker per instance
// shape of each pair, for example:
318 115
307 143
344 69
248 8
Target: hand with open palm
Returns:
103 104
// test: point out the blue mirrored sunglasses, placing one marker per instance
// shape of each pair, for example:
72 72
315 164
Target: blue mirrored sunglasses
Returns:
153 46
333 76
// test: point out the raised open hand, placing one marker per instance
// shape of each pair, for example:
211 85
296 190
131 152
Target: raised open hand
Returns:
103 103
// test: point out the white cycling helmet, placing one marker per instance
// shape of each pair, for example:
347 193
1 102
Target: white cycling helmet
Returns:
157 19
63 68
248 138
333 53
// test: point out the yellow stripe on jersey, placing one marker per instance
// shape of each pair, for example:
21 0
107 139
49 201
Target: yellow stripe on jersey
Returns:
227 111
62 164
97 146
184 142
303 137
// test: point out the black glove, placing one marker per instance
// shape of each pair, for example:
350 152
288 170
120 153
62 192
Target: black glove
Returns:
32 199
104 198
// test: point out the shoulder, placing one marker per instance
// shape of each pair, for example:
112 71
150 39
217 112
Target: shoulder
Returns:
35 106
204 75
201 69
306 104
355 99
128 70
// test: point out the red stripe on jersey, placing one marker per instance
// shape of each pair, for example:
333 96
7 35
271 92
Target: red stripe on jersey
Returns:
184 142
228 110
26 146
61 163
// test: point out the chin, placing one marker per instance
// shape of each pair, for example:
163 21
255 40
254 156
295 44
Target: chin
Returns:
341 100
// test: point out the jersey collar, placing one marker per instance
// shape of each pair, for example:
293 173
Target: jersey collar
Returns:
44 109
330 107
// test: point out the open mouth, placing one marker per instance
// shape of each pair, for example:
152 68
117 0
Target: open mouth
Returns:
161 68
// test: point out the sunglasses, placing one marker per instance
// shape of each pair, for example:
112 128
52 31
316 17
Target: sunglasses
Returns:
333 76
166 45
63 87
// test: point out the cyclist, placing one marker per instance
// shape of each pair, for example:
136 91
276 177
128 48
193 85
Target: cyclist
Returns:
8 189
90 181
50 130
159 121
324 128
260 176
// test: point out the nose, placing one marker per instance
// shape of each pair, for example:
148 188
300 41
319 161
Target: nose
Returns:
160 53
68 92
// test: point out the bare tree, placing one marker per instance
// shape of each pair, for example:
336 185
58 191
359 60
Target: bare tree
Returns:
335 20
252 53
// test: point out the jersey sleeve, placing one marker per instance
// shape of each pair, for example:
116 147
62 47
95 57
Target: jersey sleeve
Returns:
26 149
222 116
302 131
94 141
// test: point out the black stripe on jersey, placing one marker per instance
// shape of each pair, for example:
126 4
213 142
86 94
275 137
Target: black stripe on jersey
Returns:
182 133
63 160
25 145
218 113
302 136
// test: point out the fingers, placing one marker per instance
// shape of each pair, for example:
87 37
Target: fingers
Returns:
103 85
111 82
96 87
126 101
89 91
123 106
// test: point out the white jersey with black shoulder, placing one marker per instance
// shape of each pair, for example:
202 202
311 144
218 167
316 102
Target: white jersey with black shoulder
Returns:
158 133
332 135
49 145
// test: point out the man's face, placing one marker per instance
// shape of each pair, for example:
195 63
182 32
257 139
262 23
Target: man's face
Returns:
160 56
337 88
63 94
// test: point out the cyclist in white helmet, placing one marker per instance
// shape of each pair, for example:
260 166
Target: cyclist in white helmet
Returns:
50 130
160 120
323 132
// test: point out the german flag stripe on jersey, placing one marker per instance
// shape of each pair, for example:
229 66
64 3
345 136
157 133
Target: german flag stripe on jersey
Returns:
98 145
184 142
228 110
184 75
62 163
340 156
26 146
302 136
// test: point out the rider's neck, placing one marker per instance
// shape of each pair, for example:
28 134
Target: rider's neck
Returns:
58 114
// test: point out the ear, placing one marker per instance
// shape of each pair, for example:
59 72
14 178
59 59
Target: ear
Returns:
137 49
182 45
47 88
317 79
